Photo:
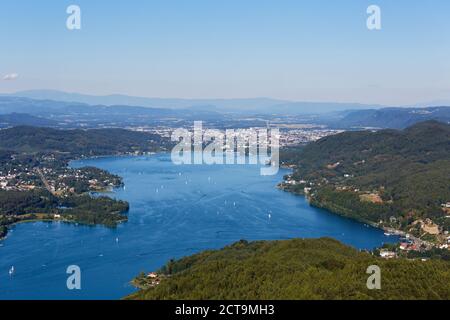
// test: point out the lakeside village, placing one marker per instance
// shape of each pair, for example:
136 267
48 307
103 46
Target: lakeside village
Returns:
32 186
409 245
54 176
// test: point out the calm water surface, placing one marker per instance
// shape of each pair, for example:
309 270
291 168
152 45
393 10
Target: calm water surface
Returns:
175 211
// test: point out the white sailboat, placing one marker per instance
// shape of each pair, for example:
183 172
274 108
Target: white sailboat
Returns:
11 271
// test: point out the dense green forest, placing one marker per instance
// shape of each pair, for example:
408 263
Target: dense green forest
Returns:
27 205
25 202
295 269
406 172
100 210
95 142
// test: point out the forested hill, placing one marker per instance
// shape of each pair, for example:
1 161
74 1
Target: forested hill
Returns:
294 269
394 118
78 142
398 177
425 142
19 119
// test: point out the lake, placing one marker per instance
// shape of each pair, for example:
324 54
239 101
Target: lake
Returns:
174 211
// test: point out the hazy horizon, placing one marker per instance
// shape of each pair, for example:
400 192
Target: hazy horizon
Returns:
297 51
49 94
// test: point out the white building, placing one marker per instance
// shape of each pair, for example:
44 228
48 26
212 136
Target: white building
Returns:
387 254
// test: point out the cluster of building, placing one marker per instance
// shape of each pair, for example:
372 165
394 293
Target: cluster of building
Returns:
408 244
287 137
16 180
61 181
153 279
58 181
291 137
163 131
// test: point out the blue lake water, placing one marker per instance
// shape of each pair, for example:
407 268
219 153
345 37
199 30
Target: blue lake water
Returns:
175 211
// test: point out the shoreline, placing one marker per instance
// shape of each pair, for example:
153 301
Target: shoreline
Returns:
121 155
105 191
77 223
391 231
111 190
388 231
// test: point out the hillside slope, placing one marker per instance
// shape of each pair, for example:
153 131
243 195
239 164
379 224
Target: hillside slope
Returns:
295 269
78 142
395 178
394 118
23 119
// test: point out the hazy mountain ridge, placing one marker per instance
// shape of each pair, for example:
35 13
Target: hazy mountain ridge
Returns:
23 119
395 118
243 105
74 115
49 107
77 114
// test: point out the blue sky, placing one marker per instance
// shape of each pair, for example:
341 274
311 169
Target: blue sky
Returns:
317 50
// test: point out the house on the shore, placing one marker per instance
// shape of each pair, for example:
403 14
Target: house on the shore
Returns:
405 246
388 254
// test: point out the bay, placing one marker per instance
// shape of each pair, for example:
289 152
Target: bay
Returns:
174 211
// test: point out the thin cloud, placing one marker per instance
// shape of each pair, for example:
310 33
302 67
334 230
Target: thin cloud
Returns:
10 77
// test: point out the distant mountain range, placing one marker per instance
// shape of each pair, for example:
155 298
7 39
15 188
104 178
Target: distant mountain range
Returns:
9 104
23 119
39 112
395 118
251 105
75 114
